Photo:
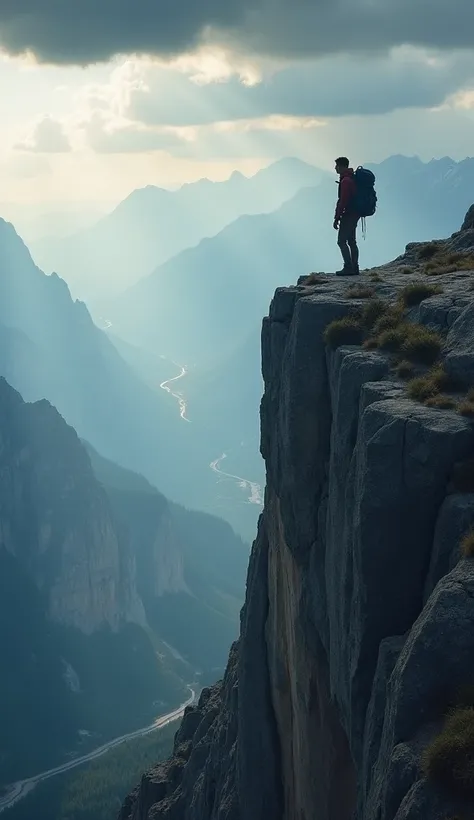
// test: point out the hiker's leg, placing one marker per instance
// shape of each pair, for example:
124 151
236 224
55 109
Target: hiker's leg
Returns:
342 240
352 242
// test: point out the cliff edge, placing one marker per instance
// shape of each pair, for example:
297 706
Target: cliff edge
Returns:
357 634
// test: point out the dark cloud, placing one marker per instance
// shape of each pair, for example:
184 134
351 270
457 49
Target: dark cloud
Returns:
95 30
48 137
88 31
325 88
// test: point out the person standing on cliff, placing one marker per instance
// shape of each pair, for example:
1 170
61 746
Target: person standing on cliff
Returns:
346 218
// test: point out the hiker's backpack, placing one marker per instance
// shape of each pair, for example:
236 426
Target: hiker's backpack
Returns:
365 200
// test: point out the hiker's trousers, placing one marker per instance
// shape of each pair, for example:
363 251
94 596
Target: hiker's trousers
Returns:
346 238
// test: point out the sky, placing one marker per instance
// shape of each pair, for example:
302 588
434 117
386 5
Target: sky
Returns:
100 98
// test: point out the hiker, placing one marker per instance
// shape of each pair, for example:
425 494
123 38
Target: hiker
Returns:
346 218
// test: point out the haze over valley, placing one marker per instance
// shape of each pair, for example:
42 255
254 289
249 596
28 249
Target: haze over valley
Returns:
175 456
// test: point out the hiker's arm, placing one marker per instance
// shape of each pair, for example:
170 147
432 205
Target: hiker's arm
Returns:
344 199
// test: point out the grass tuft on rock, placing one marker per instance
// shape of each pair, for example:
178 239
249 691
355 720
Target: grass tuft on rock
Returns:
421 344
373 311
448 761
428 250
359 291
441 402
449 263
345 331
315 279
413 342
430 385
416 292
389 319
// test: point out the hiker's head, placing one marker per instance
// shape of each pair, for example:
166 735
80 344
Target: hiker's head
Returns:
342 164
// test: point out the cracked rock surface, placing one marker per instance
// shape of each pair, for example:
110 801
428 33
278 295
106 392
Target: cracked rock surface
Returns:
358 626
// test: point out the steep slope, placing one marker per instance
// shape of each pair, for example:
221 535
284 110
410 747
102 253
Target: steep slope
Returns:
190 570
75 654
356 635
154 224
52 349
224 284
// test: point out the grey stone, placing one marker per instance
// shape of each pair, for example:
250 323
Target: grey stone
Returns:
468 224
455 519
423 803
389 652
259 745
403 772
437 657
356 630
460 343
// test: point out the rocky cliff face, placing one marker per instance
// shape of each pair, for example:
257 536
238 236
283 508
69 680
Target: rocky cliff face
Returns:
71 614
357 632
56 519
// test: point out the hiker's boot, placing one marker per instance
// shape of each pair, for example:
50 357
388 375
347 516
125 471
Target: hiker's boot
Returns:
347 270
355 270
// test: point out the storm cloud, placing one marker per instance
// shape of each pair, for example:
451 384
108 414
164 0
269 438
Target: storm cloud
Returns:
327 87
95 30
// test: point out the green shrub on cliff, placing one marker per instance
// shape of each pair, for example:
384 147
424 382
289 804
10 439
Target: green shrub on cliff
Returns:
345 331
412 341
449 760
428 250
430 385
373 311
414 293
359 291
389 319
449 263
383 326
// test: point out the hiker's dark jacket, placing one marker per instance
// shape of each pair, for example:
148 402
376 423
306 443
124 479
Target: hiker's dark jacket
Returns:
347 192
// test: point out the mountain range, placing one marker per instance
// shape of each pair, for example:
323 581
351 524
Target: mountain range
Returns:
117 585
202 308
111 598
50 348
153 224
203 303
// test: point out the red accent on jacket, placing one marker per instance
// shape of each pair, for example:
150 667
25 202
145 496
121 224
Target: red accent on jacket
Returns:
347 191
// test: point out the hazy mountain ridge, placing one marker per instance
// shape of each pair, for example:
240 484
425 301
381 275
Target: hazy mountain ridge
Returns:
70 614
100 576
220 289
153 224
191 566
52 349
226 281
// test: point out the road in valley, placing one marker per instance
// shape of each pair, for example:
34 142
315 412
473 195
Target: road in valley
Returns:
256 494
17 791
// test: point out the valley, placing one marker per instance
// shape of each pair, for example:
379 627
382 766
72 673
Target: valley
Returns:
131 480
17 791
